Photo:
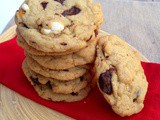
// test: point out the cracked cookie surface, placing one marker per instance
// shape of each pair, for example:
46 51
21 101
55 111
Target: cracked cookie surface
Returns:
119 76
54 26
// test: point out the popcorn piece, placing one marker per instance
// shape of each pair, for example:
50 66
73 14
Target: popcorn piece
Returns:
45 31
57 27
25 7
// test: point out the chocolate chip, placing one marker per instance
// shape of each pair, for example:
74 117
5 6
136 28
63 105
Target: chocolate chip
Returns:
66 70
89 38
60 1
112 69
25 26
49 99
106 56
33 42
105 82
64 44
137 95
41 87
72 11
134 100
35 80
81 78
44 5
40 25
48 84
74 94
96 32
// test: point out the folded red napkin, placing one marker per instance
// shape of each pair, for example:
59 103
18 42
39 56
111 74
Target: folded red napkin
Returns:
94 107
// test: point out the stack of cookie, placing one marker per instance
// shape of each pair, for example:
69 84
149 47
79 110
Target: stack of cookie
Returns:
59 38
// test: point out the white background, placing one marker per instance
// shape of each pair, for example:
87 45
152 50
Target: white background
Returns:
7 11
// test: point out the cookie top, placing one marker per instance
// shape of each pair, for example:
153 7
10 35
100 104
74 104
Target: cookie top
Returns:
62 75
59 25
21 42
84 56
120 76
65 87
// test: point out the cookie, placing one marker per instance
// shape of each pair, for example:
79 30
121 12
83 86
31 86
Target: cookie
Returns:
119 75
56 26
45 90
64 87
84 56
21 42
63 75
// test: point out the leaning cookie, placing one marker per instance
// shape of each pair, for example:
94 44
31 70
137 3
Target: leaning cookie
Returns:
84 56
45 90
58 86
59 25
119 75
63 75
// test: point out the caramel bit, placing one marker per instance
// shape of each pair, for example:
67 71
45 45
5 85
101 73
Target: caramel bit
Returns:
20 13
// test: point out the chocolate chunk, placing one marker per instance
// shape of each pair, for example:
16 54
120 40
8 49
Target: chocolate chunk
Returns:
48 84
64 44
60 1
72 11
105 82
74 94
96 32
44 5
25 26
35 80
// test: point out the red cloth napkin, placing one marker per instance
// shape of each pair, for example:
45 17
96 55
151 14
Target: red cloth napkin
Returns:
94 107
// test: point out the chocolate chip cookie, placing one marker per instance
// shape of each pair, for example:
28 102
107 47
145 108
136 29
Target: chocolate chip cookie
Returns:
58 26
46 90
63 75
119 75
84 56
65 87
